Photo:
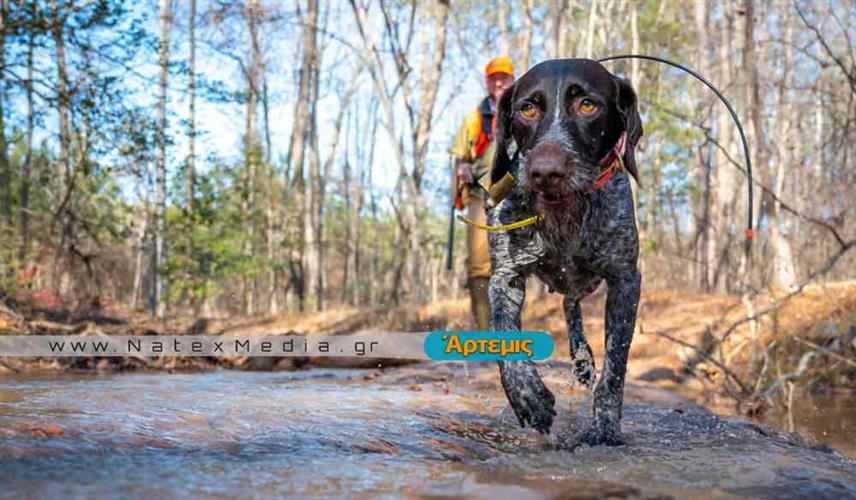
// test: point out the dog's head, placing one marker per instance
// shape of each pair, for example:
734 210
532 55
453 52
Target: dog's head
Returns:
565 116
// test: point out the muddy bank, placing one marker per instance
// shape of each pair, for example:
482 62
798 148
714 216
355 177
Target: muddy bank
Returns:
428 429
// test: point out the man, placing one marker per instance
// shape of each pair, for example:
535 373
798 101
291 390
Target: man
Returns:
473 149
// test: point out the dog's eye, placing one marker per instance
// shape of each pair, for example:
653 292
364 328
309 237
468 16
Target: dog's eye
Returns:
586 106
529 110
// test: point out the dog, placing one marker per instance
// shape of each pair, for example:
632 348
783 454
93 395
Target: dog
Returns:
574 125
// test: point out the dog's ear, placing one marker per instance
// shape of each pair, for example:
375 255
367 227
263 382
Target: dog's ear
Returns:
502 135
632 124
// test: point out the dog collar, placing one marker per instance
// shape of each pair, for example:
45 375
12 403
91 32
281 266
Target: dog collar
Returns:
611 163
504 227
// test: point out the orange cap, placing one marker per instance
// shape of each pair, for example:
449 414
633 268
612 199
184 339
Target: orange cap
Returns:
499 64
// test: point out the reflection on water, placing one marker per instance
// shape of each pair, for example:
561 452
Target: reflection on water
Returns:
425 430
823 418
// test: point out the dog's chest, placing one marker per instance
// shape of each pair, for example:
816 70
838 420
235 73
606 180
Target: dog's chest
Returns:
568 258
564 267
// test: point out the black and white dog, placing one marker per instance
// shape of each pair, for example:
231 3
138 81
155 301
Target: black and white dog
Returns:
575 126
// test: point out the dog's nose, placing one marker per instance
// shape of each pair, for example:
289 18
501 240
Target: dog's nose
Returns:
547 166
546 172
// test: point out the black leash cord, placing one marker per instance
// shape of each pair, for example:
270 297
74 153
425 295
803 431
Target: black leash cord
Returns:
730 110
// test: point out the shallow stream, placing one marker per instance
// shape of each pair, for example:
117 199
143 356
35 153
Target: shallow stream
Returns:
431 429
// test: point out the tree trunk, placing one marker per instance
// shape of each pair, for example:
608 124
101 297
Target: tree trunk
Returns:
428 85
784 272
59 273
313 284
504 44
553 35
5 167
317 215
699 224
273 215
160 192
526 38
190 172
356 235
191 120
251 155
348 243
28 158
607 7
374 263
361 138
139 250
297 156
589 37
781 261
724 177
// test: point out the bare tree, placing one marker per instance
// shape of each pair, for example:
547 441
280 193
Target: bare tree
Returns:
788 154
526 36
26 175
59 274
503 14
699 220
321 184
724 179
5 167
348 244
312 270
588 45
273 215
165 7
191 118
419 106
297 151
555 19
252 153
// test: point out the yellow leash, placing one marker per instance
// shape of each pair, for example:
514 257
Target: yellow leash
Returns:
505 227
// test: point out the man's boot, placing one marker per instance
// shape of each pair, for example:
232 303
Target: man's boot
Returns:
480 302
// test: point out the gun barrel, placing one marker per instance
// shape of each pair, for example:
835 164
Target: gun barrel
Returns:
450 244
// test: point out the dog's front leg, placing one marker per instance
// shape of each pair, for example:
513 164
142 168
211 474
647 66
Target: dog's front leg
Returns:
622 301
584 370
530 399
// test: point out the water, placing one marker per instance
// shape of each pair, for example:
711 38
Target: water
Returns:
827 418
426 430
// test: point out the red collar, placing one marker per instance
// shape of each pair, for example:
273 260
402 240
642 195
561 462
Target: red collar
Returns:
611 163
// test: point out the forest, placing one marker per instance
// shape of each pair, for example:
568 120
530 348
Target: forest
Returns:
231 168
187 160
251 157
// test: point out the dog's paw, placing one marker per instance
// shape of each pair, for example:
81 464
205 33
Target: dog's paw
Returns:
534 407
596 435
584 369
531 400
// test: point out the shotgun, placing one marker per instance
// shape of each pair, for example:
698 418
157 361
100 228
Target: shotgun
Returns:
457 204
